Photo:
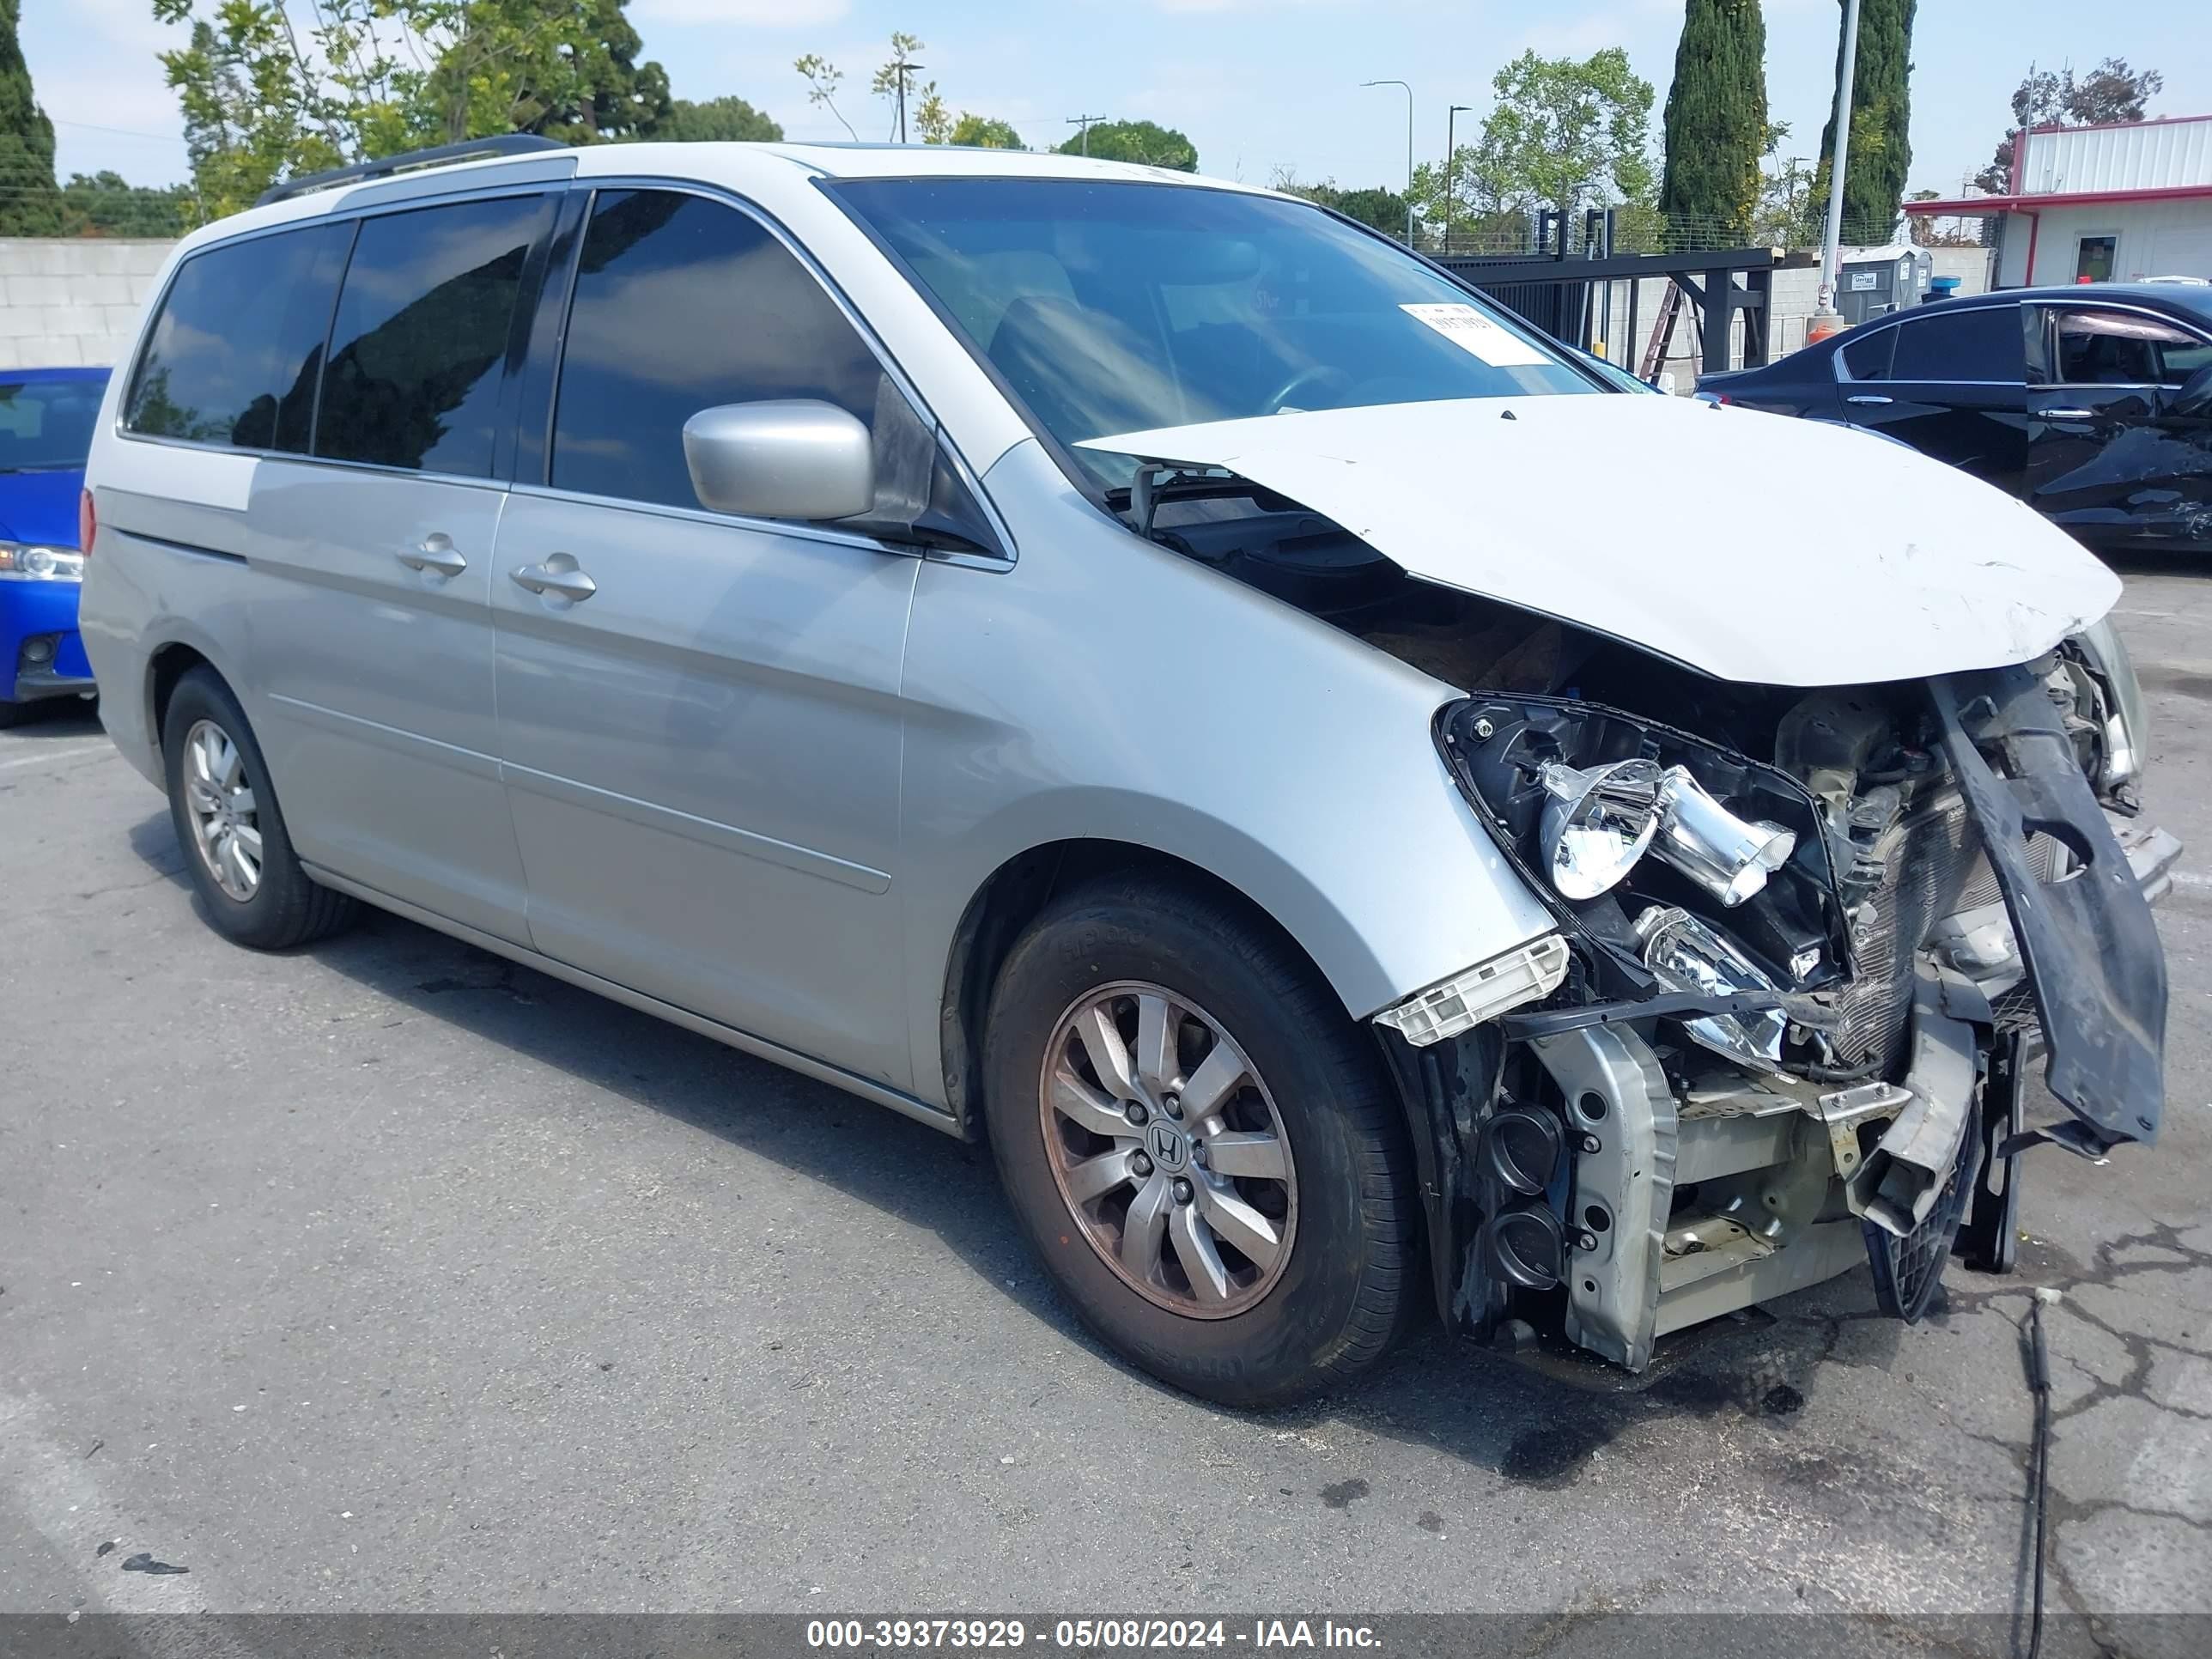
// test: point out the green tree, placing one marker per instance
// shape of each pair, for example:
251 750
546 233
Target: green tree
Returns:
603 91
264 96
1564 134
1145 142
715 120
1716 125
1377 206
1881 115
30 205
2111 92
893 82
983 132
103 205
823 78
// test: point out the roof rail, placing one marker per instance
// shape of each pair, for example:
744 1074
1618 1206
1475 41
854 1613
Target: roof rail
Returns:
469 150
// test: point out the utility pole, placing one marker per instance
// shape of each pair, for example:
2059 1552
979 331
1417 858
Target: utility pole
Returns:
1825 320
1084 122
1451 154
1409 151
902 69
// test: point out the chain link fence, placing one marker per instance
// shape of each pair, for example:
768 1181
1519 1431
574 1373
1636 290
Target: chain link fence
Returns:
1645 230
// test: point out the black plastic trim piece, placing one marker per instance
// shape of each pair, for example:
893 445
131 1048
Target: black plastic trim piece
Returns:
2090 948
1667 1004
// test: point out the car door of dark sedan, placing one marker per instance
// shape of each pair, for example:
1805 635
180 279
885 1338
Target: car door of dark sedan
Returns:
1952 384
2118 452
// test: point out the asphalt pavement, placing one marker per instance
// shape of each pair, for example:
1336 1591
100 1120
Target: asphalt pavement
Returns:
384 1276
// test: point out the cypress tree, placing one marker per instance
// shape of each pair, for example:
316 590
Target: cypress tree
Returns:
1716 121
30 203
1881 117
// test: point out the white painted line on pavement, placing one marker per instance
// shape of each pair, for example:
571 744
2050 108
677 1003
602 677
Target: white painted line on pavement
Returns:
54 755
51 1484
2190 879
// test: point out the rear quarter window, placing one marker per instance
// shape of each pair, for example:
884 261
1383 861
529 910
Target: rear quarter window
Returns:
1983 345
237 346
1867 356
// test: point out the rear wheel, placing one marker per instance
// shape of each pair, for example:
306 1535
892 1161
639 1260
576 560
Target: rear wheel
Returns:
236 849
1200 1145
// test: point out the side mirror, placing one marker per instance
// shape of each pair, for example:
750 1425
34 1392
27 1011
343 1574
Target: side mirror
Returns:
2195 397
785 459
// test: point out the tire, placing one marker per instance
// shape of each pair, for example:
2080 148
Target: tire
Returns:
14 713
1345 1273
281 907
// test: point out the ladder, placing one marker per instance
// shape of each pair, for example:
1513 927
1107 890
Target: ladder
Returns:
1662 333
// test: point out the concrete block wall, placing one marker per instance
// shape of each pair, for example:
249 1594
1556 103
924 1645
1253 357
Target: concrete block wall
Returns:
71 301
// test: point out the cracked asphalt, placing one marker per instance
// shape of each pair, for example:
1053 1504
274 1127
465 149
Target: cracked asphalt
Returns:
384 1276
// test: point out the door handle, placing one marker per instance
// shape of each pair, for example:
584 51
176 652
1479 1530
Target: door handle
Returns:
2066 414
1868 398
558 575
433 552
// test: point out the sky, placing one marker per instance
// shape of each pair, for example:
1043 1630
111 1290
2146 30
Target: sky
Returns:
1262 87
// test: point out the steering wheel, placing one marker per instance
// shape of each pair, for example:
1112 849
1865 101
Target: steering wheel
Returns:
1316 373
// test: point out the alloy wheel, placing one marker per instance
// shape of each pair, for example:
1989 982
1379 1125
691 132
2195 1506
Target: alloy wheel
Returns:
225 817
1167 1150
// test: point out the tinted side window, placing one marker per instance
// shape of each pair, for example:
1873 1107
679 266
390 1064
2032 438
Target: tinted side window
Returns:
421 335
234 354
1867 358
1984 345
681 304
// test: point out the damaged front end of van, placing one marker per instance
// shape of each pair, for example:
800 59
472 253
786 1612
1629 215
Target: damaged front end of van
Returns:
1840 842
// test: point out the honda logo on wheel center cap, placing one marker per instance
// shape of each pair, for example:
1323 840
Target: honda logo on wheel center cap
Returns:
1171 1150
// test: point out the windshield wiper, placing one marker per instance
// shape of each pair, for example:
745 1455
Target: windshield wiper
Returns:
1157 482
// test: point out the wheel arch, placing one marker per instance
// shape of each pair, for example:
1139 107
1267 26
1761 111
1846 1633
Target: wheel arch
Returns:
166 665
1012 896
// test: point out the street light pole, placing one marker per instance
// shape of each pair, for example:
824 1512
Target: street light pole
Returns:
1451 154
902 70
1409 151
1832 242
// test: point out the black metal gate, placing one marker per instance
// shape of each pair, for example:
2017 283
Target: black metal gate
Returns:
1562 295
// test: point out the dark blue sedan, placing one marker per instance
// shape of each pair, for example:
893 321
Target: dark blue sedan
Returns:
46 417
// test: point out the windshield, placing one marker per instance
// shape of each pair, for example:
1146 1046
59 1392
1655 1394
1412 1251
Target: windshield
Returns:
46 425
1114 308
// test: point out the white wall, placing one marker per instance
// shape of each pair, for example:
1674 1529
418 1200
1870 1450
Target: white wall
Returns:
2148 155
2157 239
64 302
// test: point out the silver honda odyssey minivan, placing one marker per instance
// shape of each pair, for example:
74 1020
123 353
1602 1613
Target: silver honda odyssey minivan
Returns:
1149 673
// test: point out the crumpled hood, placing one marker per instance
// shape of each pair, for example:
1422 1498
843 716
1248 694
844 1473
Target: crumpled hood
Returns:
1755 547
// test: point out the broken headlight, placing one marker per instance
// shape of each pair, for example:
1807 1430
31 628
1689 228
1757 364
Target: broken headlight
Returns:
1686 955
1613 816
1600 820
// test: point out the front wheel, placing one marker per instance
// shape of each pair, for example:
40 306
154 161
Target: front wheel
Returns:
1200 1143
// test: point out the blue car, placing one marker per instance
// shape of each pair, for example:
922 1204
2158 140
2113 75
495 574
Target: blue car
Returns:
46 417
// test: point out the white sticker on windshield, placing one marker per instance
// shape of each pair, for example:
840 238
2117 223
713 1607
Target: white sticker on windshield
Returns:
1466 327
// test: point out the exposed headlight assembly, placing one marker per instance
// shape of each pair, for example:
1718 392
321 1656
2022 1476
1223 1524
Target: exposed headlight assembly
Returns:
1600 820
1686 955
2126 733
25 562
